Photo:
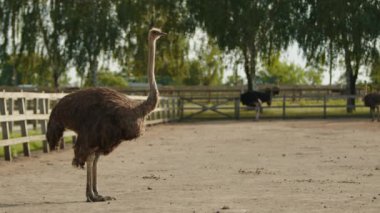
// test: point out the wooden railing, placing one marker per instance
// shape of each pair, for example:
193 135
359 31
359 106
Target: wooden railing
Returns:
283 107
24 117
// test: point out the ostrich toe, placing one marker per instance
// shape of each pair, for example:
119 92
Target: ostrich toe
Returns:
99 198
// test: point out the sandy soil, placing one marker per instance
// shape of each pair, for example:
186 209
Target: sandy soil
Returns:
226 166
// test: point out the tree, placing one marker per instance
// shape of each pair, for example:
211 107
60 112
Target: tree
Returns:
31 69
32 28
111 79
194 77
351 27
135 18
253 27
54 37
84 33
375 72
92 32
19 32
278 72
208 68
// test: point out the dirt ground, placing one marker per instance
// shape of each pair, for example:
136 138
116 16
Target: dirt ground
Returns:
220 166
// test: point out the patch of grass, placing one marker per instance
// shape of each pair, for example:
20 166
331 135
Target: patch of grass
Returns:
294 110
17 149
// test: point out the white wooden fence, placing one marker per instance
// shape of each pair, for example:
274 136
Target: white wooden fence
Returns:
24 117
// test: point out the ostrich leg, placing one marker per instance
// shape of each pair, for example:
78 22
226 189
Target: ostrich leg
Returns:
94 181
91 188
258 109
372 111
95 175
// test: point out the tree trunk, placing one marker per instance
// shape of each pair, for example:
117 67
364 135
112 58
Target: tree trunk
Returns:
351 90
247 70
93 80
14 76
56 84
55 78
249 77
250 65
350 82
253 63
330 62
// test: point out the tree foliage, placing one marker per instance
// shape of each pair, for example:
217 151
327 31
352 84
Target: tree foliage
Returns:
208 68
253 27
351 27
110 79
57 35
172 17
278 72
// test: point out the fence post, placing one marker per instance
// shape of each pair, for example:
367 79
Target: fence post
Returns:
283 107
5 129
43 110
163 110
173 109
157 114
10 112
324 107
36 107
24 125
180 103
161 113
168 110
237 108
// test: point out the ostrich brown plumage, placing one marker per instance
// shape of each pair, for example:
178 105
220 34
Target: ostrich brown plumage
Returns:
372 100
102 119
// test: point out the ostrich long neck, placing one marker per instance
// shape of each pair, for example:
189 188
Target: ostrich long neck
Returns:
151 102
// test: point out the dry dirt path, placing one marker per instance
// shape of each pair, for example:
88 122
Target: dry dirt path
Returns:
225 166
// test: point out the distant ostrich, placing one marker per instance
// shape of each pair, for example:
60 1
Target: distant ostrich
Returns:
102 119
372 100
256 98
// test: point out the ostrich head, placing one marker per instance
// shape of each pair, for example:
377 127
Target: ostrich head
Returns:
155 34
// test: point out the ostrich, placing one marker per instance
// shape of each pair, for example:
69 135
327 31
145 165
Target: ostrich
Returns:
102 119
255 99
372 100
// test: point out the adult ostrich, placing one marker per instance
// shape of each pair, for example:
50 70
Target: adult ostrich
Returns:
256 98
102 119
372 100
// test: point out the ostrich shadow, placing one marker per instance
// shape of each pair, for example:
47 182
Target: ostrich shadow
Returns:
6 205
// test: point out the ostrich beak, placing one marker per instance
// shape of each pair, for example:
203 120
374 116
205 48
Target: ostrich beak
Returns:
163 34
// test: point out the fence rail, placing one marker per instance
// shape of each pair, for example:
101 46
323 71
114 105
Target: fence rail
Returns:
24 116
320 106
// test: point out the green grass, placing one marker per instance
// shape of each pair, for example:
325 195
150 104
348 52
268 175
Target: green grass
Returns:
294 113
17 149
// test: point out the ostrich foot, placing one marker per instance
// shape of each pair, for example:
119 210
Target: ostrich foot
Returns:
99 198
